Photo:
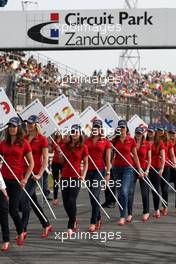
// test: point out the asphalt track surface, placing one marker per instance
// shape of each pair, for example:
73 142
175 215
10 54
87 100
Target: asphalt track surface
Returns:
151 242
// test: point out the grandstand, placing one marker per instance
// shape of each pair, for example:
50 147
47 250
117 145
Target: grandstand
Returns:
30 75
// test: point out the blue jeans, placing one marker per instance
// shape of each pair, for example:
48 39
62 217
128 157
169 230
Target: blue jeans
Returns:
126 176
93 180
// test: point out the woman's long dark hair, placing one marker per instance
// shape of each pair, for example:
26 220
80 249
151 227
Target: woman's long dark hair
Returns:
147 137
165 137
79 143
142 140
157 138
57 135
117 137
19 136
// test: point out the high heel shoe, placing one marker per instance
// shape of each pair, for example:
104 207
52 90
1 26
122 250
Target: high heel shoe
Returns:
46 231
157 214
25 235
121 222
55 202
92 228
164 211
20 239
129 218
5 246
76 225
145 217
98 225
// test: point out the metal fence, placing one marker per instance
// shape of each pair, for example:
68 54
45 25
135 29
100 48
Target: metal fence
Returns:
125 107
149 111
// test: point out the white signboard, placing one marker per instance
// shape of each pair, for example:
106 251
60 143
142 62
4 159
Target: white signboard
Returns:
108 114
134 122
63 113
46 122
87 117
6 109
93 29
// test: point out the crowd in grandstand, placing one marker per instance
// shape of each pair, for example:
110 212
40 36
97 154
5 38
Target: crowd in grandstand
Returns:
157 84
29 70
124 82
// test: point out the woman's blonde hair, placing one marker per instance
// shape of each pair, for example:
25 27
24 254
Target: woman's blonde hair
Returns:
38 129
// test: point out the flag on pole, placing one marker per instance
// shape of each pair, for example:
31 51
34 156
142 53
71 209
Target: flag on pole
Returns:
87 117
63 113
6 109
134 122
108 114
47 123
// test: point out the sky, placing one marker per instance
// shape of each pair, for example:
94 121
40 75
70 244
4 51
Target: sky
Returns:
88 61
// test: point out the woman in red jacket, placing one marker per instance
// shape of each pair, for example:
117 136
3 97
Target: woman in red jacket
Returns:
39 146
170 156
75 151
13 149
158 162
122 169
100 151
144 155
